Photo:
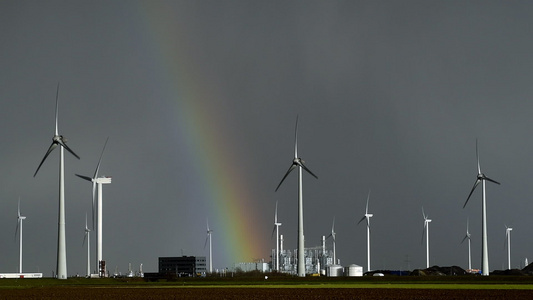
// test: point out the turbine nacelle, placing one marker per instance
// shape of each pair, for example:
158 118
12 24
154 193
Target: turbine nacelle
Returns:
103 180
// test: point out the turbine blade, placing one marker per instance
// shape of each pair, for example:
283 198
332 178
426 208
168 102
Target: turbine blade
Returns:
100 160
84 177
491 180
84 238
466 236
286 174
367 199
296 139
472 191
364 217
308 171
205 244
50 149
333 226
57 97
423 214
276 213
64 145
18 209
477 157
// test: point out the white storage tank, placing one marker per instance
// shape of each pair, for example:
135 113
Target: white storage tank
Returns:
353 270
334 271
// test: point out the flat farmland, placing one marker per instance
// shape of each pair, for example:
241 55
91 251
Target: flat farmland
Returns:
281 288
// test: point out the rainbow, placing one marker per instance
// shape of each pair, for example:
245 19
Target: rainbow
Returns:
209 144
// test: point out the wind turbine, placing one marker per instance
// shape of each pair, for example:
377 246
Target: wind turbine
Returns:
276 228
88 238
508 241
59 140
467 236
481 178
332 235
209 232
19 225
98 181
299 163
426 230
367 216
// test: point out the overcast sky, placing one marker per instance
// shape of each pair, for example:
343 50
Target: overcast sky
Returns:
199 101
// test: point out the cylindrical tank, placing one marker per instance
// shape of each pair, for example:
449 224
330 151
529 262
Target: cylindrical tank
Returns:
353 270
334 271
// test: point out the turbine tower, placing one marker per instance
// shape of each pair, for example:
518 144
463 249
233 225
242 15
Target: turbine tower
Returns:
367 216
426 230
19 225
61 269
88 238
508 241
98 181
209 232
276 229
467 236
481 178
333 237
299 163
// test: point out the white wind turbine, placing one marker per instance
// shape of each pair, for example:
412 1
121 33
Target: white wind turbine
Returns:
333 235
19 225
481 178
59 140
367 216
426 230
209 232
88 238
467 236
98 181
508 242
276 229
299 163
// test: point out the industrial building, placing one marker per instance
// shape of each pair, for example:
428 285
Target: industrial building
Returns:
318 260
183 266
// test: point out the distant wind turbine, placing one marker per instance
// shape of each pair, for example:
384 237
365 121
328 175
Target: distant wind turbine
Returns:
333 237
508 242
467 236
426 230
481 178
209 232
367 216
88 238
61 270
276 229
19 225
98 181
299 163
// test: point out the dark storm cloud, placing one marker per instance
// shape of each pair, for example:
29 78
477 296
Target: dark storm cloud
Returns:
391 97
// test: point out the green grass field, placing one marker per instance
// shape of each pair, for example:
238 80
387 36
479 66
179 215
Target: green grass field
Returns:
391 282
